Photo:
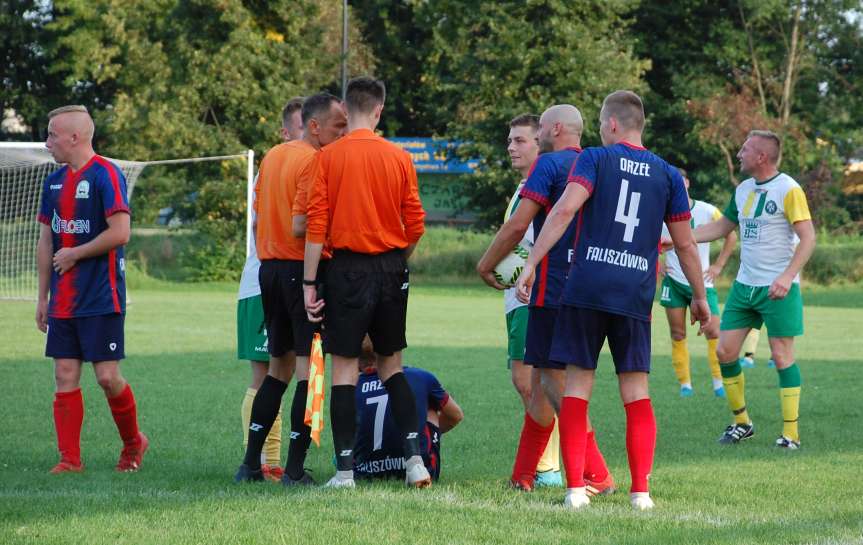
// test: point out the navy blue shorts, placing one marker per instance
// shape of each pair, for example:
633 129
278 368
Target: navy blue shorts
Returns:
540 332
580 333
90 338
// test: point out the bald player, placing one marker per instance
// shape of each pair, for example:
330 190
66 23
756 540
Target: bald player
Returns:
81 301
770 208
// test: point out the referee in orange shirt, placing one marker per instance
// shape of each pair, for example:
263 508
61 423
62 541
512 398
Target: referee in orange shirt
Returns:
365 205
287 169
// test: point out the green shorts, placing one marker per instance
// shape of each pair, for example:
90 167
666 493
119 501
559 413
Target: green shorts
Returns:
516 333
675 294
251 333
749 307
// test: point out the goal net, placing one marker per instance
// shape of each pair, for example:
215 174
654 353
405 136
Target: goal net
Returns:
23 168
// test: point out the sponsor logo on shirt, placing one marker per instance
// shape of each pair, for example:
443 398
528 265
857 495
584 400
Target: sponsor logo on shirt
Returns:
69 227
770 208
56 186
83 190
380 466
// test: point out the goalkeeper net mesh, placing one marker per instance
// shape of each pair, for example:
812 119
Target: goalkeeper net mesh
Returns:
23 168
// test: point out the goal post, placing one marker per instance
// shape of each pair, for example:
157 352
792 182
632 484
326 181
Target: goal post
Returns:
23 168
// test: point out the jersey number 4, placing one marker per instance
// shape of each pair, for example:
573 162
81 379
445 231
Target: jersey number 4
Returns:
380 412
629 217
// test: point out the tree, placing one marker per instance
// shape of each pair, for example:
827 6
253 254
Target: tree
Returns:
491 61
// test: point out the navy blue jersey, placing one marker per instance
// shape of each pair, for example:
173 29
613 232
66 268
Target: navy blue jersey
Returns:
76 206
617 230
545 185
378 448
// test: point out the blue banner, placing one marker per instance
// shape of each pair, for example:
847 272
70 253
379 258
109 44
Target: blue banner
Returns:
430 155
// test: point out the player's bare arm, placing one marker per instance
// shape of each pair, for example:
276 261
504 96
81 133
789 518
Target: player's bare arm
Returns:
806 233
117 234
572 199
312 257
716 267
409 251
509 234
43 265
687 253
714 230
450 416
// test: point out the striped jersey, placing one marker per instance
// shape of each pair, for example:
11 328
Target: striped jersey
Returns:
545 185
765 212
617 230
702 213
76 205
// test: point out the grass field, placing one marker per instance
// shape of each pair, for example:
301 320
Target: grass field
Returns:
182 365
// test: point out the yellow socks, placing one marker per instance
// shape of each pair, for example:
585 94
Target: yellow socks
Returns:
273 445
735 386
550 460
713 359
789 392
680 361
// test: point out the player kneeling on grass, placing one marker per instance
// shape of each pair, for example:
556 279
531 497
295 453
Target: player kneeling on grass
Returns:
378 450
85 223
770 208
676 295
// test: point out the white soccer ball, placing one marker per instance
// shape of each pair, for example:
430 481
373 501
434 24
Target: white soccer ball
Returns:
508 270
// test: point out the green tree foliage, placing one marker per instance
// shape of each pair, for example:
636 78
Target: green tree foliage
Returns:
490 61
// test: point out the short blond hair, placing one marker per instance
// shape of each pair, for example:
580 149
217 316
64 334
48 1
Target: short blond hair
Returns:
66 109
774 139
626 107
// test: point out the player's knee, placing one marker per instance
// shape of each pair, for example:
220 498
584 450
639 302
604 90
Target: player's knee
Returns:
678 335
724 353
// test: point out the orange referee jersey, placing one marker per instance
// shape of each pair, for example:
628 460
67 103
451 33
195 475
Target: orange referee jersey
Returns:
284 167
366 197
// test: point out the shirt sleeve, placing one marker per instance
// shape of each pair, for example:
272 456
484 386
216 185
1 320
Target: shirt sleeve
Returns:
112 190
796 207
318 209
413 215
583 171
538 185
715 214
305 183
730 211
438 397
677 208
44 215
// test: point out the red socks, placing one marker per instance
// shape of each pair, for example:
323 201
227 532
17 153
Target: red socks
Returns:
594 464
640 442
531 445
125 415
573 439
68 419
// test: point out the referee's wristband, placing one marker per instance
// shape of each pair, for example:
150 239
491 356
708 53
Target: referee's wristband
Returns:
310 282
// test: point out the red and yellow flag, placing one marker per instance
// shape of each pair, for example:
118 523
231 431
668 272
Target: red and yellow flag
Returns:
314 417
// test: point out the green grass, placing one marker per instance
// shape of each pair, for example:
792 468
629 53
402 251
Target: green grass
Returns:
182 366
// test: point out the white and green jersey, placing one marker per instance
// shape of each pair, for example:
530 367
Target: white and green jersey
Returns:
702 213
510 301
766 212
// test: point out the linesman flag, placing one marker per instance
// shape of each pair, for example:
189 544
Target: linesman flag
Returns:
314 417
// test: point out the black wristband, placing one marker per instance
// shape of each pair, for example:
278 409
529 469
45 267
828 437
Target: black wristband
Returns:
310 282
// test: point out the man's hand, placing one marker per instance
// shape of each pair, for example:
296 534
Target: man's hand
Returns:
64 259
42 315
663 269
314 306
700 312
712 272
524 284
779 288
489 278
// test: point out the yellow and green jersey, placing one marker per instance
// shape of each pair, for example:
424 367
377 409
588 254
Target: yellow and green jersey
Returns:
766 212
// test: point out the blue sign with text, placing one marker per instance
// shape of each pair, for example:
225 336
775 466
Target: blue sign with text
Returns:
430 155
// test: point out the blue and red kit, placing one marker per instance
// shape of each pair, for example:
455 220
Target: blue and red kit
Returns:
617 230
378 451
76 205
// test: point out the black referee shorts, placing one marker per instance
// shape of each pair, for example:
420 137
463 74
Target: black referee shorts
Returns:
365 294
288 327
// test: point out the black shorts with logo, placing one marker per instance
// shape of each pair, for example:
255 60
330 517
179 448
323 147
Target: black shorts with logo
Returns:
365 294
288 328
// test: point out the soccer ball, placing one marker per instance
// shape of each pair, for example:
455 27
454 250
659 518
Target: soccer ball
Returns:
508 270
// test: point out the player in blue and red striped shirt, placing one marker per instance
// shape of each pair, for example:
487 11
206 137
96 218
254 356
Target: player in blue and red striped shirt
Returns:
622 193
85 221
